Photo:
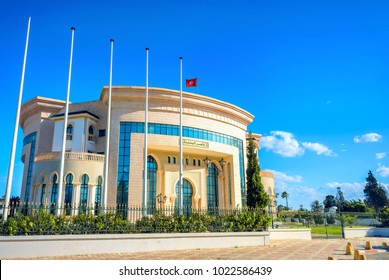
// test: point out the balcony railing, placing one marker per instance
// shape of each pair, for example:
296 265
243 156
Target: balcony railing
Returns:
69 156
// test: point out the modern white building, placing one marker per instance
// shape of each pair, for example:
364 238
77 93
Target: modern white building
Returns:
214 150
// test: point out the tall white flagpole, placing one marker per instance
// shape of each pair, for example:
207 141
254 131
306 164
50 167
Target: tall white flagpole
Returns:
62 164
146 129
15 137
108 135
181 159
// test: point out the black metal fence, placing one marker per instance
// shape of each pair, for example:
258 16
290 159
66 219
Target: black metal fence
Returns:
31 219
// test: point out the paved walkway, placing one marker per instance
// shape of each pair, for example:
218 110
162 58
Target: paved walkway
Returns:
316 249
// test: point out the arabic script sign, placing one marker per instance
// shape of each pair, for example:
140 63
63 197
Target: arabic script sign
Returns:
194 143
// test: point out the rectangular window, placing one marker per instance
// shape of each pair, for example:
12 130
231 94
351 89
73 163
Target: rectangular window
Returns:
101 132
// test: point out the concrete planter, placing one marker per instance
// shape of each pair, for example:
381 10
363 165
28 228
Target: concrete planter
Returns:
293 233
366 232
66 245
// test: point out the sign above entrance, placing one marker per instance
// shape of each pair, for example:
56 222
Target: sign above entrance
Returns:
195 143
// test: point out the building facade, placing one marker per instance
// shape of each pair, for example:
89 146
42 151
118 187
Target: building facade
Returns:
214 150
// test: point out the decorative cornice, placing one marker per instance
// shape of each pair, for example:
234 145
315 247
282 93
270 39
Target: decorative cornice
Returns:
39 105
267 174
171 98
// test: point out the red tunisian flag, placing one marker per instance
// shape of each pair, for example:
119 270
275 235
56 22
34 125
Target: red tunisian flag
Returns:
191 82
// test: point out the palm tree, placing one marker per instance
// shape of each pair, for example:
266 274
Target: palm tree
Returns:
285 195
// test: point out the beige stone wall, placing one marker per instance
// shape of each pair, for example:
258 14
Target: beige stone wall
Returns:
267 179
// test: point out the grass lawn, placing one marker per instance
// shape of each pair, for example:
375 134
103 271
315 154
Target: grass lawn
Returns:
331 229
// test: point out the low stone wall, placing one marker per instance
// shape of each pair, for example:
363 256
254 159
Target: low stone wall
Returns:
366 232
292 233
66 245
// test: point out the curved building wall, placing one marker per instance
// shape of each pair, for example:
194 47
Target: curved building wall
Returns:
214 132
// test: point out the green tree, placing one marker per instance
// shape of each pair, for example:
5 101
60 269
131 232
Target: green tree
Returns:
285 195
329 201
354 206
375 194
256 195
317 210
339 199
316 207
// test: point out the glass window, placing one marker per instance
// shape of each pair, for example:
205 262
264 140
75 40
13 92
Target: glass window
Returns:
212 187
84 193
163 129
229 183
174 160
43 194
54 190
194 162
187 192
29 139
169 159
98 195
69 132
199 162
68 194
54 194
151 184
157 129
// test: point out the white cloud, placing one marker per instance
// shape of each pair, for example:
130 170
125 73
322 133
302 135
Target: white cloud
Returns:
318 148
350 190
370 137
349 186
382 171
380 155
282 177
285 144
282 143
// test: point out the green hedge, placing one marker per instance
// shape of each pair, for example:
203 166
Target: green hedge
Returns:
47 224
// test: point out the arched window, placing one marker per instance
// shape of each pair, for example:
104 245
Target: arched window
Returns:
194 162
84 193
68 194
169 159
43 192
91 133
174 160
54 193
151 183
229 183
187 192
69 132
212 182
199 162
91 130
98 195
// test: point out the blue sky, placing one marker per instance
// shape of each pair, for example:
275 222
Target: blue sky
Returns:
314 74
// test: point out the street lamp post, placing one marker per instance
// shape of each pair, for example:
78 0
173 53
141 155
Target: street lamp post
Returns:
161 200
